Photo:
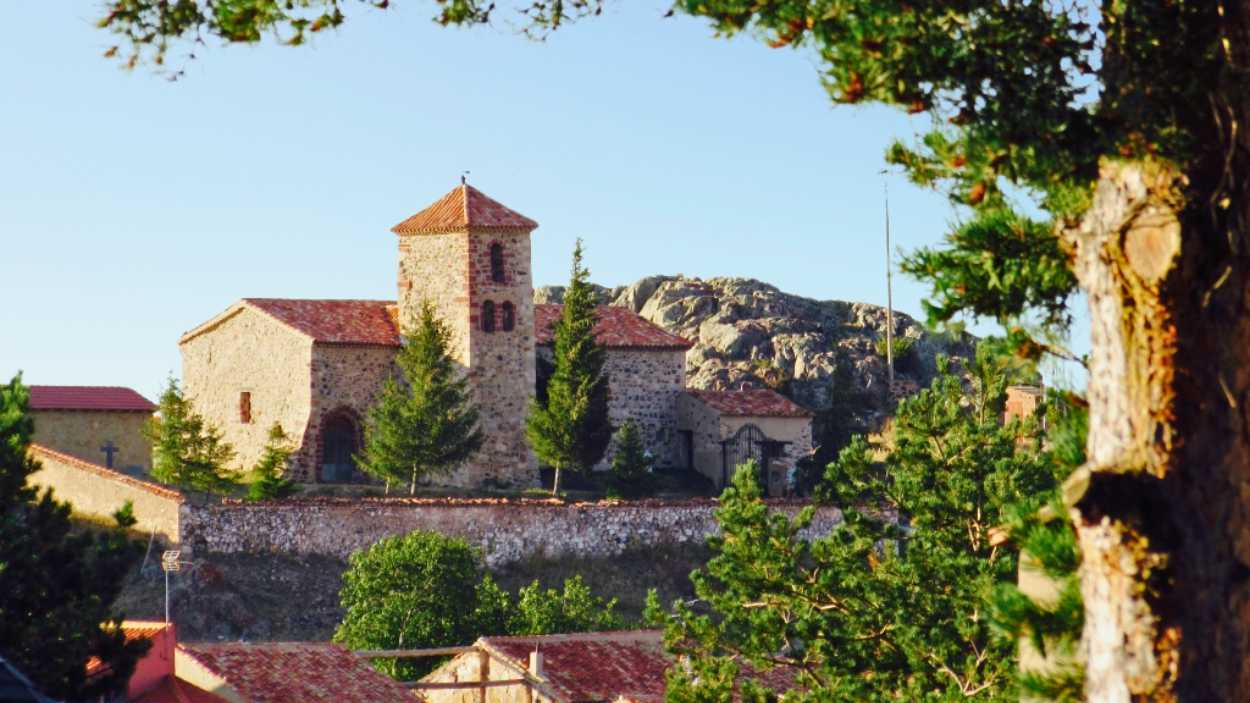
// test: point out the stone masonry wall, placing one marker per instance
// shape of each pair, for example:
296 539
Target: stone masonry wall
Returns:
250 351
453 272
97 491
505 530
81 433
704 425
501 363
346 380
643 386
435 267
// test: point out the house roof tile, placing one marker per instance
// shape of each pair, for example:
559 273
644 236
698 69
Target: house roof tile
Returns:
750 402
464 208
617 327
335 321
106 398
594 666
296 672
620 667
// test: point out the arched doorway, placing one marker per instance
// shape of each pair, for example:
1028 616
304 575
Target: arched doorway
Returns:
340 441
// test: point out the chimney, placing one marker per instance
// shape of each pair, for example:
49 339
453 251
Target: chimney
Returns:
536 663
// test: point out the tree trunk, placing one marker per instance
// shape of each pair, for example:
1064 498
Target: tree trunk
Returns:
1162 508
555 484
412 484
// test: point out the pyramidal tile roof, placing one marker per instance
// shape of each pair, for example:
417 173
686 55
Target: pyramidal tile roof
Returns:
464 208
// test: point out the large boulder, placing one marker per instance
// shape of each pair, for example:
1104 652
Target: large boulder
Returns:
749 333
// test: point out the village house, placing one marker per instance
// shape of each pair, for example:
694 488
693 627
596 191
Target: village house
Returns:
585 667
243 672
101 425
316 366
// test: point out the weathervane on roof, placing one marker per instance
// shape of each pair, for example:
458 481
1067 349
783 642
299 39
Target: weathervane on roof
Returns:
464 178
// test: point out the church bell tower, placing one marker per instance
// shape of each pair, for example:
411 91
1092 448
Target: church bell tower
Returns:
469 256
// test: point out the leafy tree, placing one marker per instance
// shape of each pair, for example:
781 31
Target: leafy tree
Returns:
833 427
571 430
542 611
187 450
412 591
1122 123
631 465
425 589
268 481
427 425
57 583
881 609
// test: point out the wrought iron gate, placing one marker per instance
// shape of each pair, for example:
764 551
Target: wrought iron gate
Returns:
748 443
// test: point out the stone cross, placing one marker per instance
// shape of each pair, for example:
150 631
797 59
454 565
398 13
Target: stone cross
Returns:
109 450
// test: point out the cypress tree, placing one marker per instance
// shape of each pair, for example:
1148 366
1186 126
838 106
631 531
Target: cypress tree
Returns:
571 429
187 450
425 425
57 583
631 466
267 479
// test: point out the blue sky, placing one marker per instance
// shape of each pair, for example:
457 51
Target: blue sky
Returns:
132 208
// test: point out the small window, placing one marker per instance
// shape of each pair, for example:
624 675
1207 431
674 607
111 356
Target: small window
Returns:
488 316
509 317
496 263
245 407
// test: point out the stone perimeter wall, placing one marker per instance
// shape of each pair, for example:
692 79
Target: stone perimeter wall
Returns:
98 491
506 530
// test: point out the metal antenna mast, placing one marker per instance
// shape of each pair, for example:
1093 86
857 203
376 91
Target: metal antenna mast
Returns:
889 291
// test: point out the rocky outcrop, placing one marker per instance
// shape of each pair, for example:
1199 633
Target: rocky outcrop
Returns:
750 333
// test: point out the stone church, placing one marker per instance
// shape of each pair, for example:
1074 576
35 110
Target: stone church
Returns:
316 366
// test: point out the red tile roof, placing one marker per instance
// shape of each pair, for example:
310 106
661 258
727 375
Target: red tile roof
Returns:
750 402
465 207
335 321
297 672
594 666
618 327
111 398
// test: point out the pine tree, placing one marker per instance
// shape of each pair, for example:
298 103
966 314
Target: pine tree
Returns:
631 465
571 430
57 582
881 609
187 450
268 481
426 424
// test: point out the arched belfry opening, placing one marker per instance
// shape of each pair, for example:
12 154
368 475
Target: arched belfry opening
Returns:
340 442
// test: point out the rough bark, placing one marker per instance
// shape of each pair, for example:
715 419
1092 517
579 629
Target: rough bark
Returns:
1162 508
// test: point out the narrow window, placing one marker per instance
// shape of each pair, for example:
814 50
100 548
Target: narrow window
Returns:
488 316
496 263
509 317
245 407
